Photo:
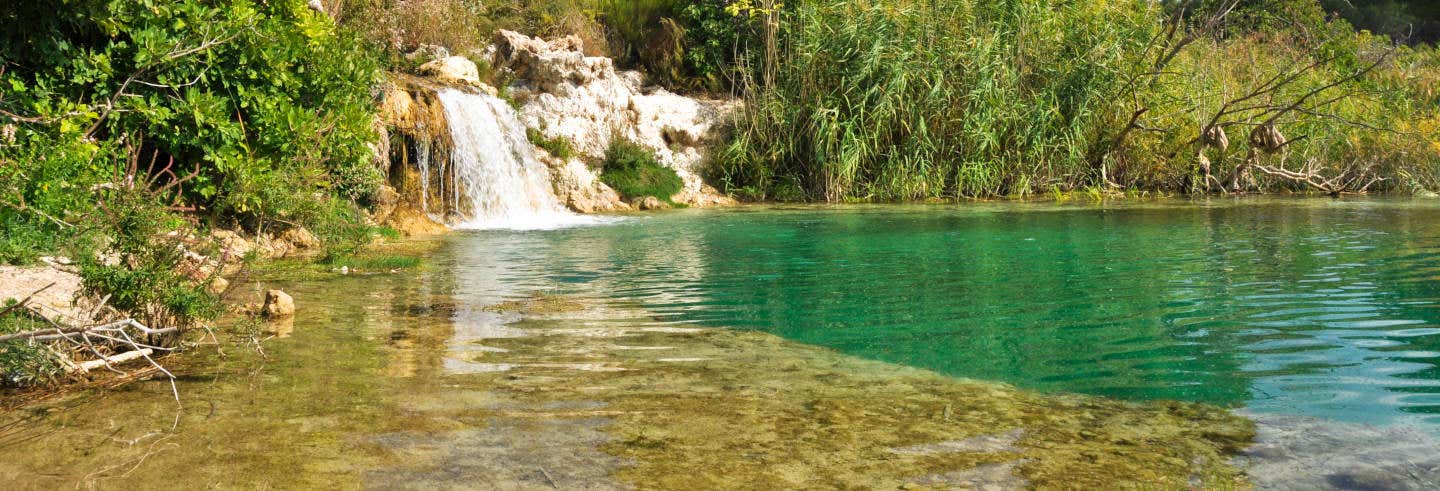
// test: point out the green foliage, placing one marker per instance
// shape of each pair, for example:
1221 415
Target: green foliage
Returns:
116 114
558 146
25 363
633 172
929 99
258 100
143 269
376 262
960 98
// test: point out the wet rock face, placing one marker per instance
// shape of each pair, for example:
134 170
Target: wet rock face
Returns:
585 100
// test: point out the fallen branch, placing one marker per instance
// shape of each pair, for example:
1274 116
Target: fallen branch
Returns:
53 333
86 366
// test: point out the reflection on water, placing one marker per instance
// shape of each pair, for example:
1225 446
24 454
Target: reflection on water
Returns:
1314 307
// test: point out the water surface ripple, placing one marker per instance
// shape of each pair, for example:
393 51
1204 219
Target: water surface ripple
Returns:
1311 307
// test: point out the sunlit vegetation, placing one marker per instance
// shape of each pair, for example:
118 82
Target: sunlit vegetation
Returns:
960 98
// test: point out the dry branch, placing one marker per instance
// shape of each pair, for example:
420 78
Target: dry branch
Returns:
86 366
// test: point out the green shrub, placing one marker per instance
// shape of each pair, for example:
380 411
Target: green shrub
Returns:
634 173
559 146
265 103
142 268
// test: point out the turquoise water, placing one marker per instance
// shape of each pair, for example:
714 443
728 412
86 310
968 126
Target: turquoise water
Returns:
1314 307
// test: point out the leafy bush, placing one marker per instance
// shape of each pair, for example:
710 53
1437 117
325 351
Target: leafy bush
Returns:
121 122
256 100
633 172
559 146
144 270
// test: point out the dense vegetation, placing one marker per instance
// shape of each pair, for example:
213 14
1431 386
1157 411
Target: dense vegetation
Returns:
955 98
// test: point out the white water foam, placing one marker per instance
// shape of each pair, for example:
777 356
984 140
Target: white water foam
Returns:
499 183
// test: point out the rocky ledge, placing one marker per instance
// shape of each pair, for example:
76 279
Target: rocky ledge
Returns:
587 101
562 94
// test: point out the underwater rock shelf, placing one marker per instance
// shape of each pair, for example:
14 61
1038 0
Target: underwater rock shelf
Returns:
704 408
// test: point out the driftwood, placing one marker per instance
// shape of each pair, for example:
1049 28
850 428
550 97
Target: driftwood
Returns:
86 366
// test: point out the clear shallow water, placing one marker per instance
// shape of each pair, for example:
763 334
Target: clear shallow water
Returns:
1312 307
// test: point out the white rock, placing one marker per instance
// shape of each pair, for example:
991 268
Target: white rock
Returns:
586 101
452 69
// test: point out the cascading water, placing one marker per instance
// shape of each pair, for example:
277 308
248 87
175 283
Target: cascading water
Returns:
494 178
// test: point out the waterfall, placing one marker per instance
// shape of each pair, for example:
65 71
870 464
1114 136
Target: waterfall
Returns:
493 180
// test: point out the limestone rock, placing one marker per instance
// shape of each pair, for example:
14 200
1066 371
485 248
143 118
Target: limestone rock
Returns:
426 53
272 247
650 203
587 101
452 69
578 188
232 245
278 304
386 199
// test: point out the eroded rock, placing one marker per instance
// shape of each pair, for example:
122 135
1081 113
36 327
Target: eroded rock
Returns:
217 286
650 203
585 100
278 304
580 189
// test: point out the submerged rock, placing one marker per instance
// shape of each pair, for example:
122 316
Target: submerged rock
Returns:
1301 452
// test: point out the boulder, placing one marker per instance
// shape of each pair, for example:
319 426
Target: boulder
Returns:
426 53
232 245
580 189
300 238
453 70
272 247
386 199
278 304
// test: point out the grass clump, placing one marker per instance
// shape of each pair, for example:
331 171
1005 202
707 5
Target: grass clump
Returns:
376 262
559 146
634 173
